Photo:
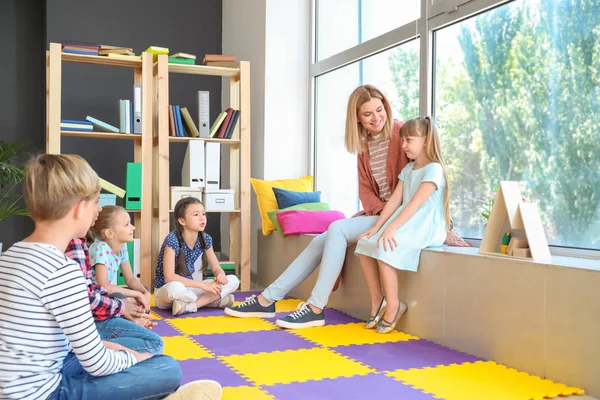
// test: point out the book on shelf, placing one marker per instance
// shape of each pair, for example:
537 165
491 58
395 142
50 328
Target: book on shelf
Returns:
185 61
178 121
218 58
215 126
102 126
184 55
221 133
122 56
84 48
106 50
156 50
112 188
225 64
189 123
172 131
232 123
75 126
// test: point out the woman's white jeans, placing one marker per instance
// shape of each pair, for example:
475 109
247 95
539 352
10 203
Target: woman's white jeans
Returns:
165 295
327 249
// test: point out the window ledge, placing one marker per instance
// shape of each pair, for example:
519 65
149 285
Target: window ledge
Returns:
557 261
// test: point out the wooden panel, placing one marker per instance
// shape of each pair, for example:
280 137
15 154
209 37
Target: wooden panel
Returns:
245 174
53 99
102 135
163 148
102 60
143 153
234 183
233 142
203 70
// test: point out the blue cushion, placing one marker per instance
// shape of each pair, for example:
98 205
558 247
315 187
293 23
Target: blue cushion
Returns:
289 198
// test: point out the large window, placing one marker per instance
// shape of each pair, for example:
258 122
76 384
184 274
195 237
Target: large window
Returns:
516 98
342 24
515 91
395 72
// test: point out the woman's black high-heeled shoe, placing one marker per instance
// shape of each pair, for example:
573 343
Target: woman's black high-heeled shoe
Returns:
373 321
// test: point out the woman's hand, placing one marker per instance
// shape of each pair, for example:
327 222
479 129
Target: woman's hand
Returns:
368 233
221 279
388 239
212 287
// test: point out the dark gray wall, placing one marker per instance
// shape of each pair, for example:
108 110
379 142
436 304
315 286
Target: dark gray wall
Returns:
22 95
190 26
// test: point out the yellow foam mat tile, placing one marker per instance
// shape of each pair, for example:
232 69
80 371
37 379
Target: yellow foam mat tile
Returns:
152 302
244 393
287 305
300 366
220 324
184 348
347 334
481 380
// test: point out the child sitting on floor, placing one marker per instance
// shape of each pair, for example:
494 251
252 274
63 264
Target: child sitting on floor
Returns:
184 256
49 345
108 254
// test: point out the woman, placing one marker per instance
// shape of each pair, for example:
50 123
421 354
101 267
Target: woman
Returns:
375 137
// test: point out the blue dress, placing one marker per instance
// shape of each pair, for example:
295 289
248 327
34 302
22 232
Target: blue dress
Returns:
426 228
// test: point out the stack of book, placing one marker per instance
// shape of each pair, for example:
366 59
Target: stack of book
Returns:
125 53
181 123
220 60
182 58
156 50
88 49
224 124
75 126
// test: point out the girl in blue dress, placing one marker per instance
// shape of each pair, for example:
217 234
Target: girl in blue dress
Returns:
416 216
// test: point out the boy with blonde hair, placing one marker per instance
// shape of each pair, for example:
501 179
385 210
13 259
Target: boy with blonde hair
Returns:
49 345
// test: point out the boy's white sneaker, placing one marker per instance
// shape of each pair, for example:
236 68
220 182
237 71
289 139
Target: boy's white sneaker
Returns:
197 390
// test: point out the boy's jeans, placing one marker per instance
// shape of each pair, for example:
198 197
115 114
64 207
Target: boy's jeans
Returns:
154 378
130 335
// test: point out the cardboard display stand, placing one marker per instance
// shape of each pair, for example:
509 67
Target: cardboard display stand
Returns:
524 223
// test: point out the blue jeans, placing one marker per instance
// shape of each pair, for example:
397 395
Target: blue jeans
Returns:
327 249
130 335
154 378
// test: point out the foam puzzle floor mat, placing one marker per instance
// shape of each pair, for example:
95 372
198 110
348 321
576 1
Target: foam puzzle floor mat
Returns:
253 358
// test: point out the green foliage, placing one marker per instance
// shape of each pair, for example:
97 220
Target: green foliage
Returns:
12 173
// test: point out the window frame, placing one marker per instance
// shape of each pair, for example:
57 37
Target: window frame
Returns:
435 15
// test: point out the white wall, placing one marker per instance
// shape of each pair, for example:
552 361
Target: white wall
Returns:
273 36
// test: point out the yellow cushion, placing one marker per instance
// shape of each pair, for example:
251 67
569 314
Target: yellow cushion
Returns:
266 197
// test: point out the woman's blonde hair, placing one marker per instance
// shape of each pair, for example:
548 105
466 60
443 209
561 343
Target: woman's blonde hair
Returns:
425 127
56 182
106 220
356 134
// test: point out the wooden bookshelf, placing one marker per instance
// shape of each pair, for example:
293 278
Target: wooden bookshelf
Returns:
142 152
239 158
222 141
102 135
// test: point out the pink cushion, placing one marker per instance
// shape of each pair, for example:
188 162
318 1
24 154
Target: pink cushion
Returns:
298 222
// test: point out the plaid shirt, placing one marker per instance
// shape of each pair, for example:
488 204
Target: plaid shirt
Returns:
103 306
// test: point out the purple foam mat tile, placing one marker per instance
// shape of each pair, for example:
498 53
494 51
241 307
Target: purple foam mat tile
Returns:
241 296
332 317
164 329
404 355
210 368
372 386
227 344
